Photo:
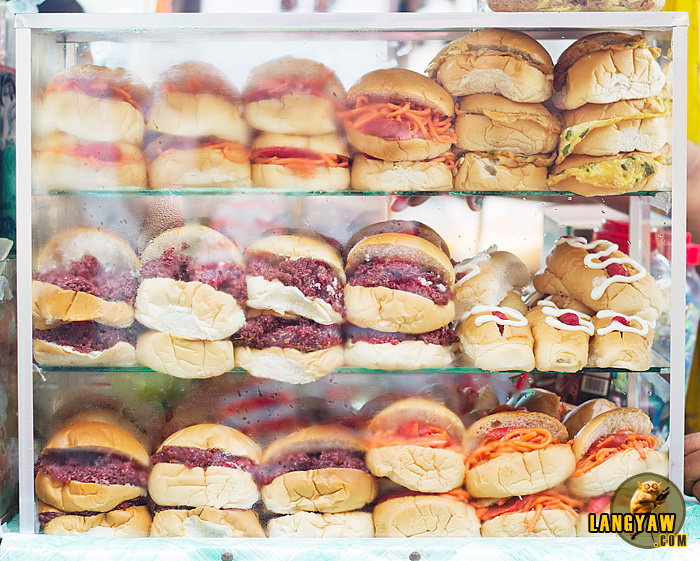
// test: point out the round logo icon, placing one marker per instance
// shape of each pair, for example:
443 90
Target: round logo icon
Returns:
648 508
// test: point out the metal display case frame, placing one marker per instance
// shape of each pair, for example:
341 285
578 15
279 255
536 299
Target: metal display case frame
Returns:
70 29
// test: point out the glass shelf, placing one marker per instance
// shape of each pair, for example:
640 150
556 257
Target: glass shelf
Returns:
222 191
663 369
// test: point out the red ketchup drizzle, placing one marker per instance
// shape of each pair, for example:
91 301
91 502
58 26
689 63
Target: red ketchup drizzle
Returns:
500 315
569 319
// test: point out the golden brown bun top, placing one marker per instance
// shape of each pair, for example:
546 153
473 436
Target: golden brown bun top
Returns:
403 247
519 419
301 70
199 242
581 415
196 77
499 41
485 102
418 409
323 143
537 400
42 507
607 40
295 246
109 417
211 436
610 422
401 84
100 437
412 227
312 440
628 109
117 77
110 250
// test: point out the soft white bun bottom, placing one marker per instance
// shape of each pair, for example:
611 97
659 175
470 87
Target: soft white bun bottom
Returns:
292 114
498 356
202 167
184 358
271 176
273 295
191 310
215 486
51 354
407 355
64 172
289 365
514 474
316 525
395 311
552 523
206 522
482 173
425 516
368 174
319 490
608 476
132 522
418 468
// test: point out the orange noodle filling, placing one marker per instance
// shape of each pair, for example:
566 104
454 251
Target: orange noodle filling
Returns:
612 445
507 441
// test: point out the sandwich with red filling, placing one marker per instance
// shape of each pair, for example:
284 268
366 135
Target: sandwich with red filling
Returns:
316 469
84 274
516 453
296 272
66 162
91 467
416 443
596 506
288 348
180 161
130 519
194 99
205 465
96 103
545 514
85 343
193 284
285 161
293 96
368 348
396 114
410 514
613 446
399 282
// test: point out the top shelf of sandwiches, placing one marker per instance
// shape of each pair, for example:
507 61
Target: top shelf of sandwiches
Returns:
491 114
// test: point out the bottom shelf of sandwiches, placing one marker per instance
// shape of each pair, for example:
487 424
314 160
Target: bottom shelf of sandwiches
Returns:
411 469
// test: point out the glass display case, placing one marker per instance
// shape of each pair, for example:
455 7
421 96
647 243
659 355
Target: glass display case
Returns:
54 200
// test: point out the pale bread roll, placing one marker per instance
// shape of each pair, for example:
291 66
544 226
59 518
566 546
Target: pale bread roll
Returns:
206 522
322 525
132 522
289 365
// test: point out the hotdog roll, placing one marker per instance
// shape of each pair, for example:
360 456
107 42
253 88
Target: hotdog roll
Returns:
296 273
179 161
516 453
84 274
97 104
496 338
396 115
194 99
545 514
604 278
621 341
486 278
193 284
284 161
416 443
612 447
561 337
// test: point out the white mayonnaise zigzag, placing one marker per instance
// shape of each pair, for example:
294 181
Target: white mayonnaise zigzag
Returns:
617 326
473 266
589 261
552 312
519 321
